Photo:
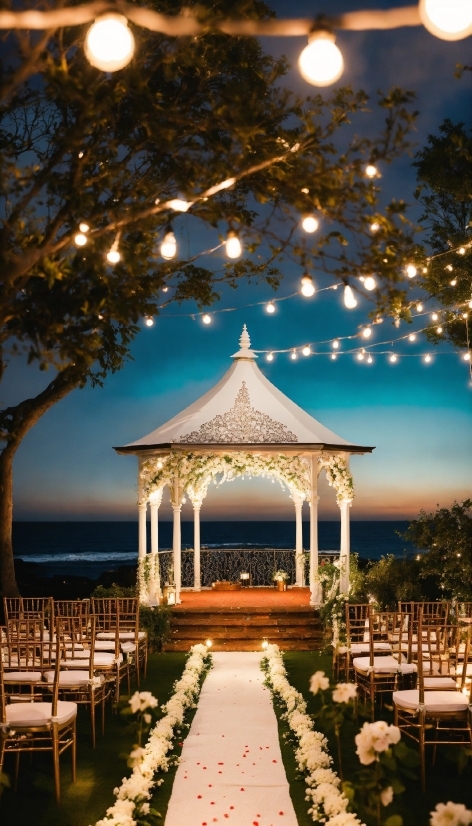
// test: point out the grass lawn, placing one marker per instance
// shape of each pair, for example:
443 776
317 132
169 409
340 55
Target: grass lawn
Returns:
99 770
443 781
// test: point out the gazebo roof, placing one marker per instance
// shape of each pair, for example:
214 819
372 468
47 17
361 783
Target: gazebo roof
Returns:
243 410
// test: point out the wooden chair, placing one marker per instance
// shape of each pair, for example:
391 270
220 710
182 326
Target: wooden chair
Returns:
433 717
133 642
358 634
26 656
34 607
107 641
38 726
433 612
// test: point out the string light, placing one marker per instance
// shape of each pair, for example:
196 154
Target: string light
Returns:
439 329
466 356
84 227
370 283
306 350
149 321
367 332
321 63
233 245
350 300
80 239
434 317
412 337
360 356
453 282
419 308
310 223
270 357
375 226
427 358
308 288
169 245
369 360
270 307
371 171
294 355
447 19
411 270
206 318
393 358
178 205
109 43
461 251
448 267
113 254
335 344
334 356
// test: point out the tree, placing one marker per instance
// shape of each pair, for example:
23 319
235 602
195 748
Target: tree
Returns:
444 175
195 126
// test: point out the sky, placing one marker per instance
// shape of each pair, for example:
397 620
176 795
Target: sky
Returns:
418 416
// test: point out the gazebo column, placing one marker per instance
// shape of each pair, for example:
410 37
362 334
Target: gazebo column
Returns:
177 552
142 539
299 559
315 585
344 507
197 580
155 579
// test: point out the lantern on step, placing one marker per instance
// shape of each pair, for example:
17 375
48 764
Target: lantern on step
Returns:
245 579
169 593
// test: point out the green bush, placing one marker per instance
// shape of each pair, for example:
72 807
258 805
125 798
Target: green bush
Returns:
156 620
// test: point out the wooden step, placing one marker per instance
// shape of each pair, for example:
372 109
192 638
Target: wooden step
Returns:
246 645
259 620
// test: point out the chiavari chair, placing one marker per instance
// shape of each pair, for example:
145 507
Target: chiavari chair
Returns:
433 612
358 636
33 607
433 717
106 614
39 726
133 642
26 655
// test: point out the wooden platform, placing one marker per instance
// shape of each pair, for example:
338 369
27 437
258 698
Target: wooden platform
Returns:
240 620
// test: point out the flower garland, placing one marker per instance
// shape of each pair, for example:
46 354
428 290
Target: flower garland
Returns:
135 791
329 804
149 585
338 476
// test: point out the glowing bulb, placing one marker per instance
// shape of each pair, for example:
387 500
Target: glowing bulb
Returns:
336 344
80 239
306 350
427 358
411 270
159 465
349 298
375 226
233 245
439 329
371 171
179 205
448 268
84 227
294 355
308 288
370 283
434 317
265 645
169 246
109 43
412 337
321 63
367 332
270 357
461 251
466 356
208 643
310 223
113 256
148 321
419 308
393 358
447 19
334 356
360 357
206 318
270 307
453 282
369 360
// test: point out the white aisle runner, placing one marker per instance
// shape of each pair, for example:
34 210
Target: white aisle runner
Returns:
231 769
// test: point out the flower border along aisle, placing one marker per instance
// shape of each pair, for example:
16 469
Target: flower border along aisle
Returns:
329 803
133 795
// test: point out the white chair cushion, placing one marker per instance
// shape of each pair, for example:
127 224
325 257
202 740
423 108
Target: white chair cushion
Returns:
22 677
128 647
26 715
105 645
68 678
440 683
435 701
123 635
100 660
457 669
360 647
383 665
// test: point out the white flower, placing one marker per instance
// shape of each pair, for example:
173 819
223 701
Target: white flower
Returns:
450 814
142 700
386 796
345 819
344 692
318 682
136 756
374 738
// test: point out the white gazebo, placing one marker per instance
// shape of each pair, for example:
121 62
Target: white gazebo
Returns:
242 426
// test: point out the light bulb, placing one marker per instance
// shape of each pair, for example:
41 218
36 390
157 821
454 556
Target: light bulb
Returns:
84 227
370 283
367 332
270 307
439 330
306 350
371 171
159 465
148 321
169 246
393 358
419 308
334 356
206 318
270 357
466 356
360 357
461 251
447 19
308 288
412 337
208 643
369 360
350 300
453 282
434 317
427 358
80 239
109 43
265 645
113 256
411 270
233 245
310 223
448 267
294 355
321 63
335 344
375 226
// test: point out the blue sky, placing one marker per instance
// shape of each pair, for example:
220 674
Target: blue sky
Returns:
419 417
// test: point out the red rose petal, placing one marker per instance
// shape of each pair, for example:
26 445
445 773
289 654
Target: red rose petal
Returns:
241 790
199 797
231 807
280 813
221 764
274 761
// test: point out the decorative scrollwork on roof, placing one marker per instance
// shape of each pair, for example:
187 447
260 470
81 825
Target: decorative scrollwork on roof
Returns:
242 424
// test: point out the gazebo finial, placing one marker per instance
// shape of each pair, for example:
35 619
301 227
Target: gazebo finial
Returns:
245 344
244 340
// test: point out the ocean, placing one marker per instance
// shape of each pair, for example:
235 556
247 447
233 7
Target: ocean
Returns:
90 548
